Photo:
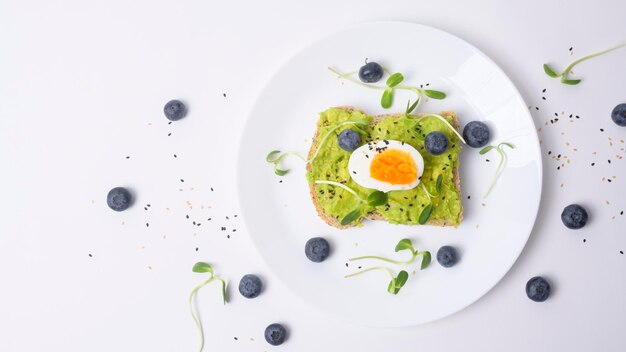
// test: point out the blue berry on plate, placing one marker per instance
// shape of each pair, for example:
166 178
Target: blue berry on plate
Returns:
436 143
574 216
250 286
175 110
447 256
619 115
476 134
538 289
349 140
371 72
119 199
275 334
317 249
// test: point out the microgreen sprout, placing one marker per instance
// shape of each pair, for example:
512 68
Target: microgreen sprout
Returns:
396 283
392 83
275 156
425 214
202 267
564 75
500 150
374 199
404 244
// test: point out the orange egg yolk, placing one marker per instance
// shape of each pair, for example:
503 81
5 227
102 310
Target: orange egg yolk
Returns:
393 166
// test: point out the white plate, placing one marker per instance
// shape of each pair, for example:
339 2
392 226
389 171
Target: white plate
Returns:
280 217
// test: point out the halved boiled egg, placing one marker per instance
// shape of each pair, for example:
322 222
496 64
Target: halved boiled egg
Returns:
386 166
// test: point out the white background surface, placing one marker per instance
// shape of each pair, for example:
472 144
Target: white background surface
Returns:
82 86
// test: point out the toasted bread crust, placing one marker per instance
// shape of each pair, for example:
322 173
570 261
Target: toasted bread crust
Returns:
332 221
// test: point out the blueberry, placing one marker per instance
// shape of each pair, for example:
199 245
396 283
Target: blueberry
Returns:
174 110
476 134
538 289
447 256
250 286
619 115
119 199
349 140
574 216
317 249
436 143
275 334
371 72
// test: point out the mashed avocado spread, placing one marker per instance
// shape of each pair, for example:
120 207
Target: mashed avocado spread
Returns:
403 207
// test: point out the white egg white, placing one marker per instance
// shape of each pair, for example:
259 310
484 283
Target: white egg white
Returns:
361 159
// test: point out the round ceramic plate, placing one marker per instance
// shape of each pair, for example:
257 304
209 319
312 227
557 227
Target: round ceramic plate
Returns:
280 215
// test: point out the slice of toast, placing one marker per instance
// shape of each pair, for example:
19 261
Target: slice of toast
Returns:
375 215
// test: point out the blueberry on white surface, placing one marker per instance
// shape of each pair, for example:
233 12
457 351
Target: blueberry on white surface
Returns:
317 249
371 72
175 110
476 134
618 115
447 256
250 286
119 199
538 289
574 216
275 334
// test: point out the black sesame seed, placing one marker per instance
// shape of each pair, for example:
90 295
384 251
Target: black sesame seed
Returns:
196 249
544 90
584 240
187 216
169 134
609 161
536 108
227 236
194 222
209 219
175 156
147 224
224 95
236 338
468 197
181 180
593 164
211 189
621 212
169 123
223 228
621 252
544 98
549 152
127 157
91 256
609 180
346 265
602 130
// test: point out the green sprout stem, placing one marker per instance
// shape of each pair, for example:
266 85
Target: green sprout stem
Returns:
194 315
381 268
564 74
341 185
348 76
445 122
500 167
398 262
277 161
584 58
